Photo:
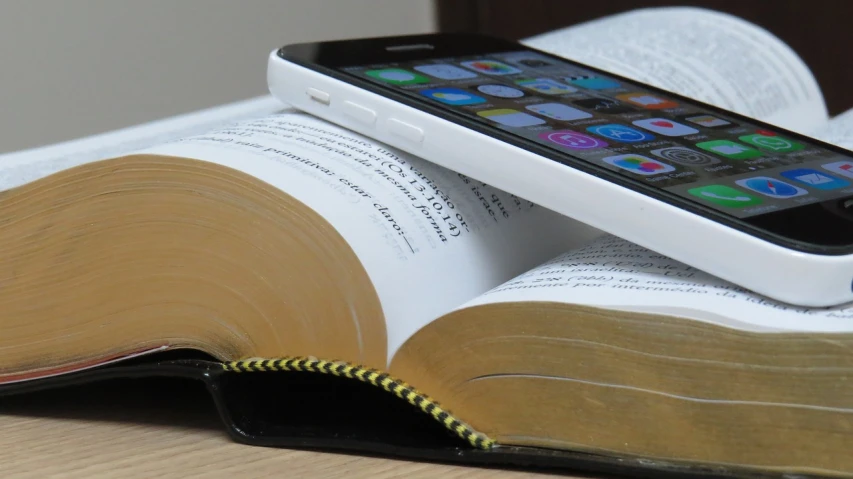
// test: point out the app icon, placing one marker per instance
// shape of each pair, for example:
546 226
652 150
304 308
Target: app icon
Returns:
535 63
708 121
572 139
647 100
559 111
725 196
453 96
665 127
397 76
815 179
508 117
622 133
771 187
500 91
642 165
729 149
491 67
685 156
592 83
445 71
843 168
546 86
767 140
603 105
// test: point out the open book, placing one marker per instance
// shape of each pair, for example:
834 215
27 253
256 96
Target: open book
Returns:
252 231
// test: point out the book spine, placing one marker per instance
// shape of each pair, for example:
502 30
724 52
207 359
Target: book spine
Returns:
375 378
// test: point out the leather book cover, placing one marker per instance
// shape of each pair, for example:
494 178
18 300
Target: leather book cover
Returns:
306 407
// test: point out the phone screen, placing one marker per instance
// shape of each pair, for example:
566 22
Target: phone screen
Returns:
725 163
771 183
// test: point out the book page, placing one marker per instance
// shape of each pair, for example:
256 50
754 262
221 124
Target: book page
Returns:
430 239
616 274
20 167
710 56
839 131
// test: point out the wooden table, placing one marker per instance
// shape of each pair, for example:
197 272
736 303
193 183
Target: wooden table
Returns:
97 431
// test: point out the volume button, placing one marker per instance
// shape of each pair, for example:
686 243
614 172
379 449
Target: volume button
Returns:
405 130
359 113
318 95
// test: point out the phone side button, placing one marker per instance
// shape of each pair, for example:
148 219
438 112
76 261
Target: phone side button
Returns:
359 113
405 130
318 95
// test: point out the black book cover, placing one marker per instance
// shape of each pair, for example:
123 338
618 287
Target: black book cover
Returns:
307 407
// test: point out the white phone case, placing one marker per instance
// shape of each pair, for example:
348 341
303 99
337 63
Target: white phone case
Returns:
753 263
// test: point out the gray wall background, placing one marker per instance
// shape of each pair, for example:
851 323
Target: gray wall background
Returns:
70 68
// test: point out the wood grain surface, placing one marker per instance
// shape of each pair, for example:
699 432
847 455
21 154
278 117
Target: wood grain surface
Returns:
167 429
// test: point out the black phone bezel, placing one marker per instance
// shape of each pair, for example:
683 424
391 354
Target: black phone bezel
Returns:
802 228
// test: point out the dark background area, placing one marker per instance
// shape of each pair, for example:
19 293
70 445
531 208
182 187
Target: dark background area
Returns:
820 31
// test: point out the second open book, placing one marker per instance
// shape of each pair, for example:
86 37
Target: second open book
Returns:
255 231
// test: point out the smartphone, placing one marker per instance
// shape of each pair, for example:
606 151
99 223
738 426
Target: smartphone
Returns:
764 208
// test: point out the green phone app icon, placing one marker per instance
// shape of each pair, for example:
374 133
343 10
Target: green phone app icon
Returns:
729 149
772 142
397 76
725 196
